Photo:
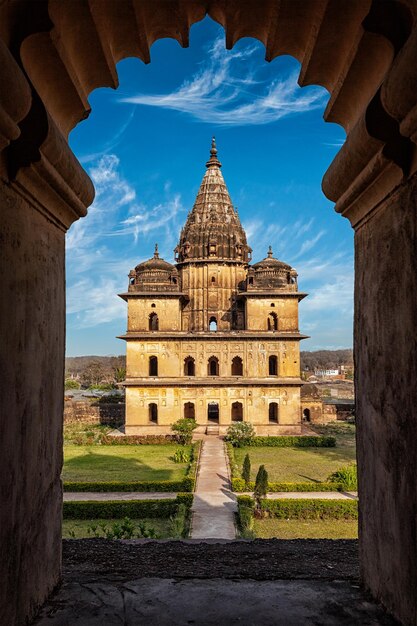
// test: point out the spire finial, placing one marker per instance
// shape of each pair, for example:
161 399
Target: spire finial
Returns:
156 253
213 160
270 252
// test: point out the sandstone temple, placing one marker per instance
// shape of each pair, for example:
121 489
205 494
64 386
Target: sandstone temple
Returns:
212 337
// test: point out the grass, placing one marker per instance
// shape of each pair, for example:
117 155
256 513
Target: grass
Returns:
308 529
303 464
122 463
80 527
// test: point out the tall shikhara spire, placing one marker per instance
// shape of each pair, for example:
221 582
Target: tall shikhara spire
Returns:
213 229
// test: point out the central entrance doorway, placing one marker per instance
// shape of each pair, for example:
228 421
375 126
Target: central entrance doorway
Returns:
213 412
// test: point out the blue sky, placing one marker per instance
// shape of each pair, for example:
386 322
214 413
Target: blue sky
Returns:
145 146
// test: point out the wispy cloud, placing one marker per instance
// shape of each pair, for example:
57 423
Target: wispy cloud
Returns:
229 91
97 263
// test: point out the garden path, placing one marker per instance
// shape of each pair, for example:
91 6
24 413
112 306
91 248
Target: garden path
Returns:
214 502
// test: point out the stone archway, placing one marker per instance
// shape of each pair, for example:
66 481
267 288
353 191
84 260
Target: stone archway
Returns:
52 56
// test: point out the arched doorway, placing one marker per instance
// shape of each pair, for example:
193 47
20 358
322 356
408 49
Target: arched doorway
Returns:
189 410
153 366
212 324
273 413
273 365
153 321
237 412
237 366
213 413
189 366
306 415
272 321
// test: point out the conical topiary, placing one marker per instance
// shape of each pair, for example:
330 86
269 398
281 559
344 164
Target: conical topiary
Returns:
246 470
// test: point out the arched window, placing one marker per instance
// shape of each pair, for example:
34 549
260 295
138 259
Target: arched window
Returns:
237 366
213 280
273 366
153 366
189 411
272 321
213 323
189 366
237 412
306 415
273 413
153 322
213 366
153 413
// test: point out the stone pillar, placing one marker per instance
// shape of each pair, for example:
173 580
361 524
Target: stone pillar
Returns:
32 319
386 390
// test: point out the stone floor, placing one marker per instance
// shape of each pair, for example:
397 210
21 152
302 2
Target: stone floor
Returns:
214 505
176 583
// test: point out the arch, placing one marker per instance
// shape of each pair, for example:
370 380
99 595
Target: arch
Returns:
272 321
213 366
237 366
213 323
273 365
237 412
153 321
273 413
189 366
189 411
356 107
307 415
153 412
153 366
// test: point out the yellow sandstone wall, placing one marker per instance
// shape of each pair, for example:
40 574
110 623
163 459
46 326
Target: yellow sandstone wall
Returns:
167 309
258 309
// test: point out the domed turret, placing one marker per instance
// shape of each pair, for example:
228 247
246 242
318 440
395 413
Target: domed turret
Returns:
271 273
213 229
155 274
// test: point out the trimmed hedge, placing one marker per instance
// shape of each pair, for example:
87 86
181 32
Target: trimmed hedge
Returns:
296 441
163 486
311 509
138 440
134 509
187 484
238 485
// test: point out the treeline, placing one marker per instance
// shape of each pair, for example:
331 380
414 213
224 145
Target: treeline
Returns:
95 370
326 359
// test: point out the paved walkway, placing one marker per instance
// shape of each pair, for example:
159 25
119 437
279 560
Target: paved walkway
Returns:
102 496
214 503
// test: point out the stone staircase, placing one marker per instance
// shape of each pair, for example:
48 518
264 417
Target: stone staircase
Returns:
212 429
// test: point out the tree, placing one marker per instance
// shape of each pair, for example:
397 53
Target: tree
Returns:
261 486
93 374
240 434
246 470
119 374
184 430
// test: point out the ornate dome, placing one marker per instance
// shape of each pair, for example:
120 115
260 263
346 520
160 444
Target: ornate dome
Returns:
155 274
154 263
270 263
213 229
271 273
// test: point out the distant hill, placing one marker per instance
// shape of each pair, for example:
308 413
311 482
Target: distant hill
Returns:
75 365
326 359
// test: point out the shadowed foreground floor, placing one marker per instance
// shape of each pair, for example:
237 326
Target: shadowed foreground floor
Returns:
264 582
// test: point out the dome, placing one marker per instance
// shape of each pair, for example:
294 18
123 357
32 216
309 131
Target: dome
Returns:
270 263
154 263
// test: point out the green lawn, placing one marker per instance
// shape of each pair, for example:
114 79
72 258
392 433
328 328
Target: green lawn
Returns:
303 464
307 529
80 527
122 463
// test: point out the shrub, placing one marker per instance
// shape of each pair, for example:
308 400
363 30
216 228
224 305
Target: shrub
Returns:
261 484
240 434
296 441
135 509
125 529
246 469
311 509
70 383
180 456
184 428
138 440
238 485
346 476
145 486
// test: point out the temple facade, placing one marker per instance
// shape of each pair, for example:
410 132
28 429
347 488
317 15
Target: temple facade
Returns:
213 337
